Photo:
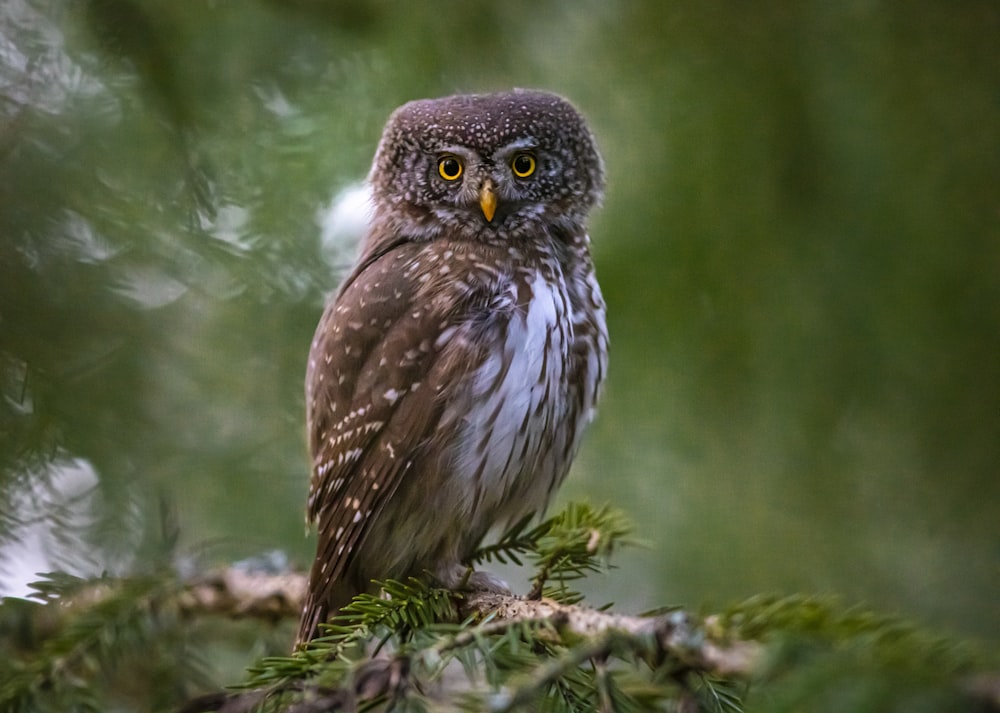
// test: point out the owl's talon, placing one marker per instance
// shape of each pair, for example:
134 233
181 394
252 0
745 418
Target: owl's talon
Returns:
482 581
460 578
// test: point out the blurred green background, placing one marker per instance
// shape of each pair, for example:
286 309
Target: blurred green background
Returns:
800 250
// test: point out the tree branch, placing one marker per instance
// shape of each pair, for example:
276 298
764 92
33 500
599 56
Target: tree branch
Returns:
240 593
673 634
675 642
237 593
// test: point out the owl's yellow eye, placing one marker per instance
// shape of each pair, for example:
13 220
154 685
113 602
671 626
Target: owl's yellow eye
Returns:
523 165
450 167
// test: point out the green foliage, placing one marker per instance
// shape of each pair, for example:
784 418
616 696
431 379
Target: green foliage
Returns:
506 664
408 649
136 644
89 644
574 543
829 657
405 611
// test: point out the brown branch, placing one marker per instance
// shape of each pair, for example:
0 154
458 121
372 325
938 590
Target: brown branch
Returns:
687 645
236 593
239 593
589 634
675 634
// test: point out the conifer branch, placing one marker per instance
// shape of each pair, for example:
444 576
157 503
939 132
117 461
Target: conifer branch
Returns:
401 649
674 634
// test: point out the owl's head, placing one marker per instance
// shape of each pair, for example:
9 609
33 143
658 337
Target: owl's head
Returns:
485 166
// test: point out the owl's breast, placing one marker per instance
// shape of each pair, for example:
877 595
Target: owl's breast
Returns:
520 411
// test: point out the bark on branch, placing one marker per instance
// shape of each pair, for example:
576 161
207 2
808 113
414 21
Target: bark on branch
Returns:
236 593
675 634
596 635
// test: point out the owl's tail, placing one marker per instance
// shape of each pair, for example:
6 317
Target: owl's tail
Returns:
319 606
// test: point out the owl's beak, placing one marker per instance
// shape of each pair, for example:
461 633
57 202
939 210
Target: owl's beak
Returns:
488 200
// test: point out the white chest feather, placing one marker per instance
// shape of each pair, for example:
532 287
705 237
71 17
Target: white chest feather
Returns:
518 420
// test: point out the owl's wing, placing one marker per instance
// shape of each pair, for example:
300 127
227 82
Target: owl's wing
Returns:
376 390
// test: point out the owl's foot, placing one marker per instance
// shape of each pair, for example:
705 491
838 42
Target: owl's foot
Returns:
465 579
481 581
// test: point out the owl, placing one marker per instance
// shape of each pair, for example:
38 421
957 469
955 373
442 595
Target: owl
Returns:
453 374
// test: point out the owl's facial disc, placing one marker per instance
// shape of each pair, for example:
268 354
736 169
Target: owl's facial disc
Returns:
488 200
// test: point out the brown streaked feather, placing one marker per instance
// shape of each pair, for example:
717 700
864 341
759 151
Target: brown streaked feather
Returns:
369 428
